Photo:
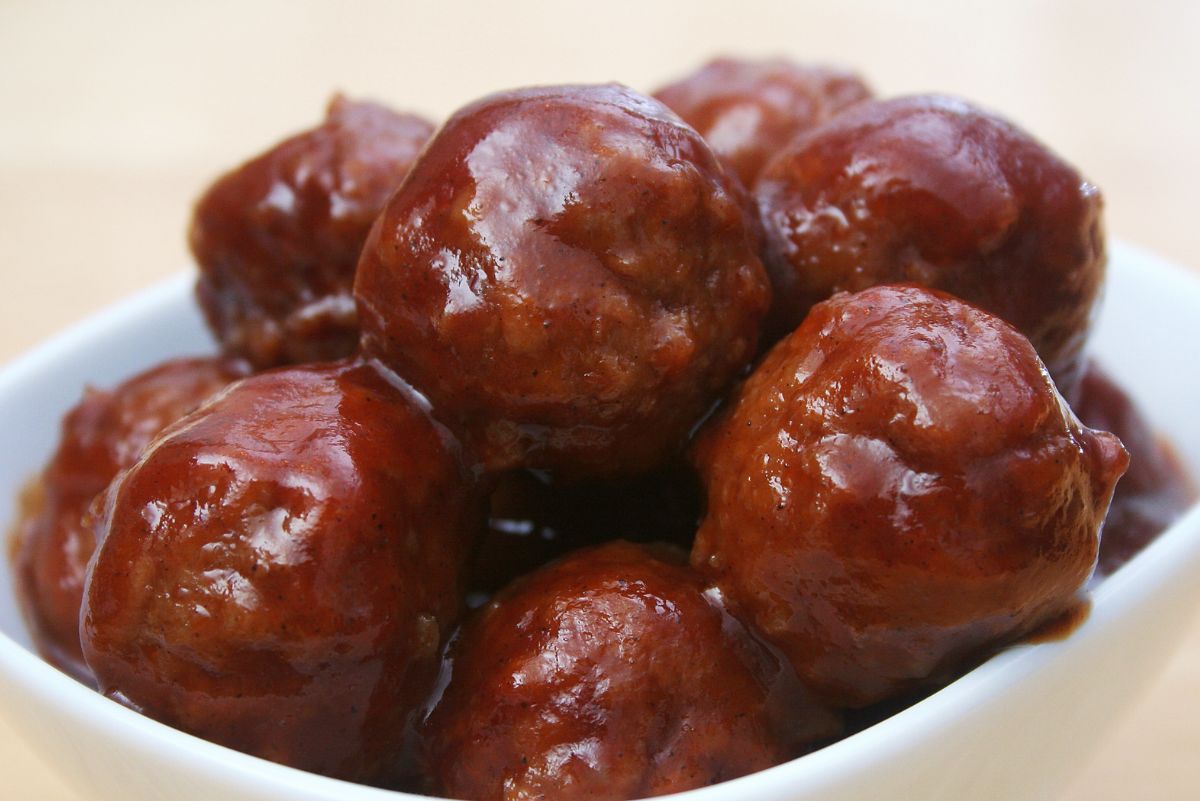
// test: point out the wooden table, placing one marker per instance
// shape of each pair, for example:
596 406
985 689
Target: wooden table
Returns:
114 115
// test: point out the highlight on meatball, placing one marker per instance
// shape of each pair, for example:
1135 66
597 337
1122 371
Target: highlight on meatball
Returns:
569 275
896 490
100 436
277 239
612 674
278 572
934 191
749 110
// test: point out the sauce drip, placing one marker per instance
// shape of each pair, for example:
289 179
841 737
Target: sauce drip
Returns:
1153 493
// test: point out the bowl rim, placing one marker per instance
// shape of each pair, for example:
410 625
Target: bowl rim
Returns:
1164 560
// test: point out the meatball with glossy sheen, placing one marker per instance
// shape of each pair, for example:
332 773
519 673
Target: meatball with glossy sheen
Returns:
748 111
935 191
278 239
611 674
569 275
279 570
898 488
101 435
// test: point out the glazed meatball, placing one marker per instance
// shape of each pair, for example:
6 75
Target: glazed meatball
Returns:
611 675
103 434
934 191
534 519
748 111
897 489
277 239
1156 490
570 277
278 571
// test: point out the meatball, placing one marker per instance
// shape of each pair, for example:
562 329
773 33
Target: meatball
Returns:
570 277
934 191
1156 490
611 674
748 111
102 435
898 488
277 239
278 571
533 519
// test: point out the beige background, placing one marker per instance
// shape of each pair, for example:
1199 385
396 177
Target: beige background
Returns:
113 115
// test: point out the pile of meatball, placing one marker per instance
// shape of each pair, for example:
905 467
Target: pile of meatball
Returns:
597 445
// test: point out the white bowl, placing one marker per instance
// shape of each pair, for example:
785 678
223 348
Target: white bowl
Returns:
1017 727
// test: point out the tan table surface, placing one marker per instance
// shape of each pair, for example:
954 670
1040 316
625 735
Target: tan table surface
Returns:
113 115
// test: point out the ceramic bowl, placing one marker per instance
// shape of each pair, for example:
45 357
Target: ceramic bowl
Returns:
1018 727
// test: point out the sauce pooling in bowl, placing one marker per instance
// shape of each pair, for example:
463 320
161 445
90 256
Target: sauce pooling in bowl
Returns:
1155 491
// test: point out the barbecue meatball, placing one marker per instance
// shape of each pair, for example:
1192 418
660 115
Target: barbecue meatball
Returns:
102 435
278 571
937 192
897 489
570 277
277 239
1156 490
748 111
611 675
